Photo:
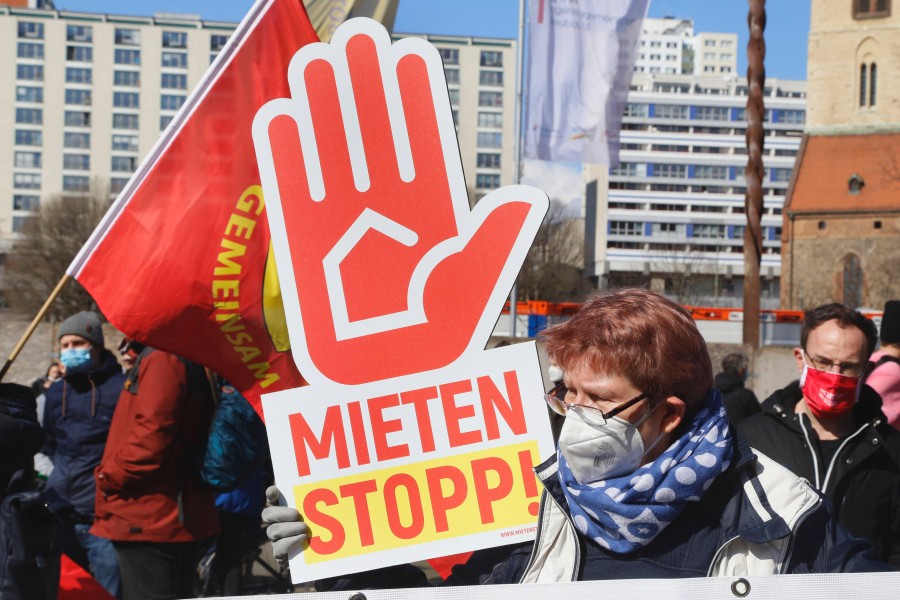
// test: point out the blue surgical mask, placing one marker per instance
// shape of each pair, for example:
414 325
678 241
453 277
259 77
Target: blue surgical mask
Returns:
76 360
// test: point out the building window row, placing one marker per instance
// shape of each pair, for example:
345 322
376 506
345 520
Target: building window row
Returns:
174 39
488 139
450 56
487 181
29 116
174 81
27 160
126 100
29 137
27 181
26 93
30 50
490 119
77 162
79 54
217 42
171 102
77 118
491 59
80 33
30 72
83 75
488 160
78 96
125 121
490 78
490 99
684 171
125 142
175 60
124 56
76 183
712 113
26 202
124 163
714 231
127 78
868 79
30 30
867 9
72 139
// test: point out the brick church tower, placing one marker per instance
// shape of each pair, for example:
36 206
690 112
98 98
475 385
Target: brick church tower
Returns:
841 233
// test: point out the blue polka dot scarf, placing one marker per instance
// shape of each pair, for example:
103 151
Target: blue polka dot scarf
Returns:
626 513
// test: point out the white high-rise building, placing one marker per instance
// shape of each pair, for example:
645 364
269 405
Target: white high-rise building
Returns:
84 96
671 215
715 53
669 46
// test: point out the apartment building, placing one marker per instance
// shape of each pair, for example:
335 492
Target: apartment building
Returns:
85 96
671 215
669 46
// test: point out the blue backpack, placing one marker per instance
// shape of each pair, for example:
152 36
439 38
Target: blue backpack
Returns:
236 447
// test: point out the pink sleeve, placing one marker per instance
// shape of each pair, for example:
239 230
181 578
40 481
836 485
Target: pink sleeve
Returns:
886 381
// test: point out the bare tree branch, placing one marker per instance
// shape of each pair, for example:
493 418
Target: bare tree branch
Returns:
49 242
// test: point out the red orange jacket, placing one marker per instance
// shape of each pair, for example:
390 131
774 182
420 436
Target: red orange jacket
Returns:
146 488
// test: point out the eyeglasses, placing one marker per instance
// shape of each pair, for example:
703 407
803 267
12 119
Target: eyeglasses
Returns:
556 400
826 364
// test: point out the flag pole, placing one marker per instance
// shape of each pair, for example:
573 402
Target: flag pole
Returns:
37 319
517 142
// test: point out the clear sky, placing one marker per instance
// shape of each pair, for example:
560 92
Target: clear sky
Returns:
786 29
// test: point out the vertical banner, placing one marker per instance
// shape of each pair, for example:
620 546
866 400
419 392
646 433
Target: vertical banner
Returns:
182 259
580 60
411 440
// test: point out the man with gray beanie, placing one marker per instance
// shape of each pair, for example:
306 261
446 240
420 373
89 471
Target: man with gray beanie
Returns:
884 364
77 414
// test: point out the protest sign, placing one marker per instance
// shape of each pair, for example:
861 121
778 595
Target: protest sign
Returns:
411 440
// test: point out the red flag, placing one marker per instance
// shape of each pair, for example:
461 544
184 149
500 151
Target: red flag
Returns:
181 261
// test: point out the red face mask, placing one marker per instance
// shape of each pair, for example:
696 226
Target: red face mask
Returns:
828 395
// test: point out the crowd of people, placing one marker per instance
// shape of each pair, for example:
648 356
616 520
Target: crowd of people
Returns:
661 470
112 453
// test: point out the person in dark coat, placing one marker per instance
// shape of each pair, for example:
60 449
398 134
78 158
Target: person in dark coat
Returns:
29 559
819 429
21 437
78 411
740 402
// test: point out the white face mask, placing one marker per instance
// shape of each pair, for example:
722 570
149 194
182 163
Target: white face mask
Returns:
596 455
555 373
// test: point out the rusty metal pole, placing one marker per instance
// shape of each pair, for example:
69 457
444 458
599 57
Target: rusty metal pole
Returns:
754 172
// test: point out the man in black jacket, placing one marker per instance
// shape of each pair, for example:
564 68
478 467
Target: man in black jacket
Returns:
827 429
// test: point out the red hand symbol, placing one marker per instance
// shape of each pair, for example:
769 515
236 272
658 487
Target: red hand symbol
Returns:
389 271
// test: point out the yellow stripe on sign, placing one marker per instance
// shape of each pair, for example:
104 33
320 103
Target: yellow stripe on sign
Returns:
429 501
